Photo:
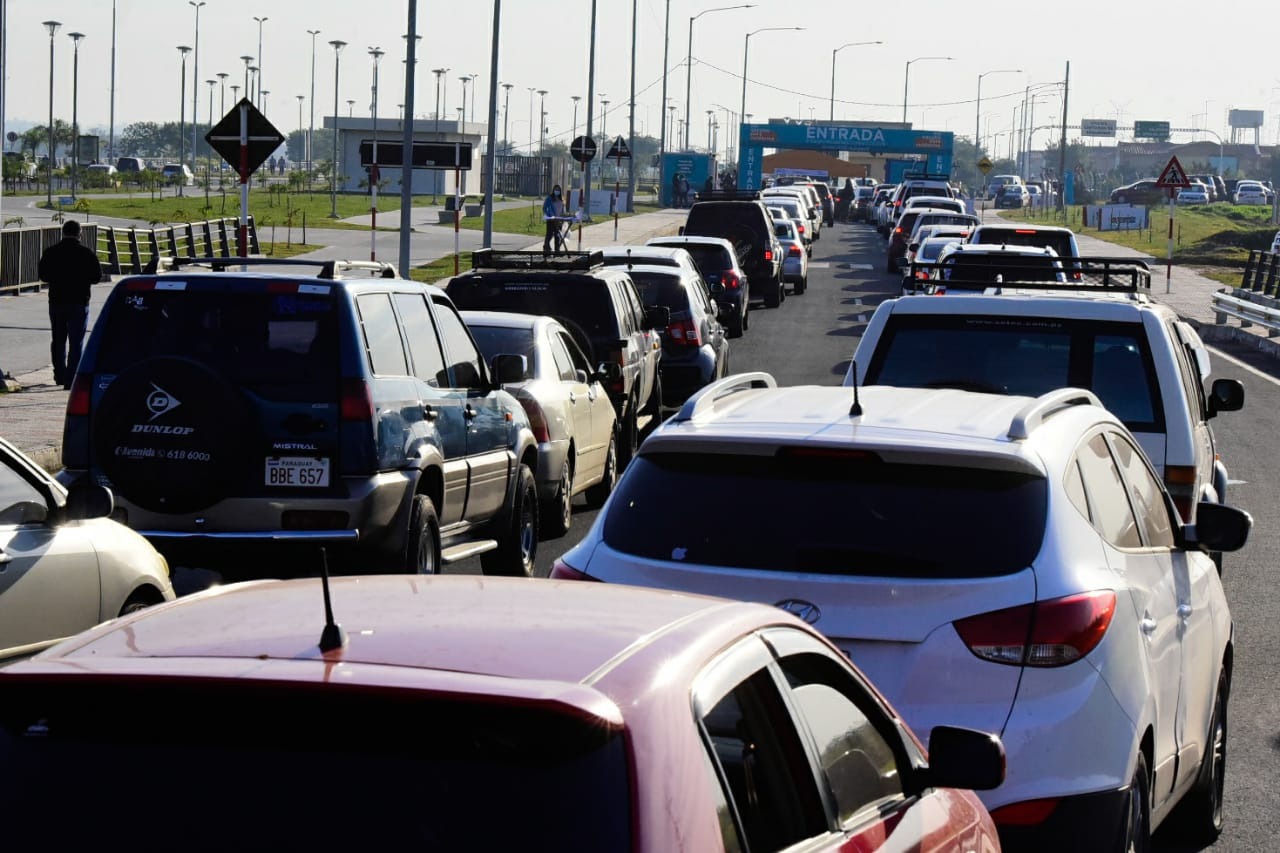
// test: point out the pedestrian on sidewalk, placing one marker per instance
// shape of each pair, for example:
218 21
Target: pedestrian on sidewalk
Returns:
553 215
70 268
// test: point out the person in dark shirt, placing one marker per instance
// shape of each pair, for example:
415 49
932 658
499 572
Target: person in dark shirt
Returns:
69 268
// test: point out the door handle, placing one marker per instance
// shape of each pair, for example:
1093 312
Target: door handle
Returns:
428 412
573 398
1184 611
1147 626
469 413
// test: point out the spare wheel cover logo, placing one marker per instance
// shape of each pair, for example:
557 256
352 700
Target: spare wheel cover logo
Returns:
160 401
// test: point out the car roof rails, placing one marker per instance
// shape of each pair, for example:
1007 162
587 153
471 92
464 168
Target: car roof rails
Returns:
1046 405
493 259
328 268
727 195
926 176
1020 271
706 399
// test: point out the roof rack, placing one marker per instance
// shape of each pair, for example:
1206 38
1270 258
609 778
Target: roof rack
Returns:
924 176
328 268
1016 271
493 259
727 195
707 397
1034 413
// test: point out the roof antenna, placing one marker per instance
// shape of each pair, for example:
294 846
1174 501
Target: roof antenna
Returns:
855 411
333 637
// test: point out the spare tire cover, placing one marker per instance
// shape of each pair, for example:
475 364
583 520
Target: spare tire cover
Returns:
172 435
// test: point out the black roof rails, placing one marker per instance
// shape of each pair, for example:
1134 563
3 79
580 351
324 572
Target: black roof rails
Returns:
925 176
493 259
221 264
1030 272
727 195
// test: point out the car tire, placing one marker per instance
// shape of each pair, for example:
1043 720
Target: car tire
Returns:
653 408
422 541
1198 818
628 431
1135 823
890 266
599 493
801 286
773 294
517 548
746 316
140 600
557 514
736 328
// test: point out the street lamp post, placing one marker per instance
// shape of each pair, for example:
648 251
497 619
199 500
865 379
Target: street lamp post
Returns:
376 53
235 95
977 120
710 113
542 122
531 89
439 72
260 21
301 126
506 116
464 79
222 94
248 61
906 79
833 70
255 86
746 46
351 104
688 76
337 45
195 81
182 119
311 124
212 85
75 100
52 27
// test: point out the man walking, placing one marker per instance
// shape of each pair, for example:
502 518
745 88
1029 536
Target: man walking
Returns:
69 268
553 215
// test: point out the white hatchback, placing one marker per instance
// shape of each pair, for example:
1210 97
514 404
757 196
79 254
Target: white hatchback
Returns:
1010 564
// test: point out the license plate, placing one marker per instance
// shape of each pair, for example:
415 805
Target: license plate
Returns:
297 471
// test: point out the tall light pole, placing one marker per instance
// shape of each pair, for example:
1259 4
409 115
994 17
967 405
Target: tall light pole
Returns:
688 72
52 27
977 119
746 46
376 54
604 132
195 82
471 78
833 72
248 61
111 132
439 72
262 96
710 115
337 45
575 99
542 121
531 90
506 116
406 135
662 133
311 124
464 79
235 95
301 127
182 113
260 21
212 85
491 139
906 79
222 94
75 100
351 104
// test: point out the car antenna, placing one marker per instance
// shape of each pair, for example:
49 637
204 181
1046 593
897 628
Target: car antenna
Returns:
855 411
333 637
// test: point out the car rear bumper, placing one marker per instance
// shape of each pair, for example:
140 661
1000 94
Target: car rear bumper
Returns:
1083 822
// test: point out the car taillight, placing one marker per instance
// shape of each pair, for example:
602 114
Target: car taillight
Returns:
768 254
793 251
1049 633
730 280
1180 480
537 417
800 228
562 571
1029 813
897 230
684 333
78 401
357 403
618 385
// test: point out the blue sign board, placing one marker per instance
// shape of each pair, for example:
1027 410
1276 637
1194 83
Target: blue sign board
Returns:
935 147
694 167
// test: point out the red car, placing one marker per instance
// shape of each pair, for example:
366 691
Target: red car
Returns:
472 713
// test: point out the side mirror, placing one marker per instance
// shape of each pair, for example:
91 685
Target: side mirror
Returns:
1227 395
963 758
581 377
1219 527
87 499
609 371
657 317
911 247
508 369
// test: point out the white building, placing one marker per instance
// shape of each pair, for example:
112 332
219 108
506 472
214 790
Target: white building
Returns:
354 131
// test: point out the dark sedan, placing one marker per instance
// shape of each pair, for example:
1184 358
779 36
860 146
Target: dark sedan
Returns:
1140 192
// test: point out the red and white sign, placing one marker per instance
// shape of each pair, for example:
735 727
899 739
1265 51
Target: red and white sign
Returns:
1173 176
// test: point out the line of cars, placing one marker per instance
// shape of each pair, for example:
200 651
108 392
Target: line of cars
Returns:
1204 189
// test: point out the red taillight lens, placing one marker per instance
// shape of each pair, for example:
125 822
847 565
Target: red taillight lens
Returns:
1029 813
1048 633
78 401
793 251
684 333
357 403
562 571
800 228
1180 480
537 418
768 254
730 280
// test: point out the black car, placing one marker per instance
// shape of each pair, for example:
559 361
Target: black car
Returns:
1144 193
716 259
233 412
600 307
742 219
695 349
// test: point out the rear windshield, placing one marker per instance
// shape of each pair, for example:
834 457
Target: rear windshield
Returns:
410 773
282 346
1028 356
829 515
710 260
502 340
993 268
585 303
1059 241
621 259
716 219
657 289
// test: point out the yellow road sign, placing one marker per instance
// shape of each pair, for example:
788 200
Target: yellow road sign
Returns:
985 165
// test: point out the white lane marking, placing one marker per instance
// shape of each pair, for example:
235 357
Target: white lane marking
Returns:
1237 482
1238 363
861 266
819 265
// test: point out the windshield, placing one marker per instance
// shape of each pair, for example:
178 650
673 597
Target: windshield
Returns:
710 260
300 768
1061 242
829 515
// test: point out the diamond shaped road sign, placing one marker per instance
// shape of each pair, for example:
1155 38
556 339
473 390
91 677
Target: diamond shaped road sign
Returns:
1173 176
985 164
619 149
224 137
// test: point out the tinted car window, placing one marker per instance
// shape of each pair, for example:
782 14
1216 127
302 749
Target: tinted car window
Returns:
1145 494
463 359
564 364
503 340
1059 241
710 260
424 346
1120 378
14 493
661 289
855 516
382 335
585 305
1112 516
281 346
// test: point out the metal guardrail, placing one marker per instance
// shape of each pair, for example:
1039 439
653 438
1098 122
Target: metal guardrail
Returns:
20 251
1256 300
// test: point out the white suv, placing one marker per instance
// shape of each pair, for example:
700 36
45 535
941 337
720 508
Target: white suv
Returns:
1145 364
1009 564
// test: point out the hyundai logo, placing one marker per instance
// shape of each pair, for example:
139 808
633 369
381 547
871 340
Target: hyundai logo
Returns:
801 609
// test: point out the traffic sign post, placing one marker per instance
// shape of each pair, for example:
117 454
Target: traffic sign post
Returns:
244 139
619 151
1172 178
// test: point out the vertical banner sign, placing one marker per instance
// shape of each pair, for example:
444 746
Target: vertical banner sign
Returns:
1173 178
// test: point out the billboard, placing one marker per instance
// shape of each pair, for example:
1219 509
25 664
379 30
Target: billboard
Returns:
1151 130
1105 127
1245 118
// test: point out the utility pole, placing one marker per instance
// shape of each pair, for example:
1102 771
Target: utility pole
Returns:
111 132
491 166
1062 150
311 125
195 83
631 129
406 138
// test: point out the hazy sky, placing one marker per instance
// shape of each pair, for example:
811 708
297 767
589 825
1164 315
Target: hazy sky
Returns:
1128 60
